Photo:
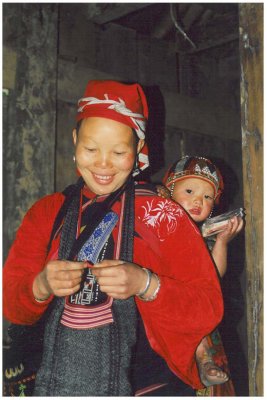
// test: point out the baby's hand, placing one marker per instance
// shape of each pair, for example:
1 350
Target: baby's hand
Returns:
233 227
163 192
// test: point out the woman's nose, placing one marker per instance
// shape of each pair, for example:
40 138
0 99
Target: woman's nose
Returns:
103 161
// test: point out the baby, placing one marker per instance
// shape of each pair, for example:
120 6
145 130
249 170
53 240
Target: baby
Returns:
196 184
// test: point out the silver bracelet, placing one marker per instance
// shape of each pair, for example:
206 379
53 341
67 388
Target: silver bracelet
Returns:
149 276
40 300
155 294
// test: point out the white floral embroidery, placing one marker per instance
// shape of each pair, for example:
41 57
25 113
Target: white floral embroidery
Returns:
162 217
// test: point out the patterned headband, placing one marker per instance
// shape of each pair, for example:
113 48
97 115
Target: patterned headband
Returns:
120 107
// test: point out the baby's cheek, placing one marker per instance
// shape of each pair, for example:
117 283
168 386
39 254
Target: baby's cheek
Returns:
180 199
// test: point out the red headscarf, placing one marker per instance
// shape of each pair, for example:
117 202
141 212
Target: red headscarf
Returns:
125 103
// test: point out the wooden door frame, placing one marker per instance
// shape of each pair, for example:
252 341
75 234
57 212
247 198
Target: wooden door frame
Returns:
251 64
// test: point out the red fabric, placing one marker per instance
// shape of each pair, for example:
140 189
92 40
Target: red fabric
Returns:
132 95
189 304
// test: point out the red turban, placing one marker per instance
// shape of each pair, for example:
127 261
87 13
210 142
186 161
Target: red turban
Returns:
125 103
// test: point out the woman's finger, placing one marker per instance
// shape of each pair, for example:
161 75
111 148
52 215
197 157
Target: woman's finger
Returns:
66 275
74 265
113 270
66 292
119 289
53 267
241 223
108 263
117 296
61 285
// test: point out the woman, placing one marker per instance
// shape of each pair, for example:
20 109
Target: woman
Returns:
110 267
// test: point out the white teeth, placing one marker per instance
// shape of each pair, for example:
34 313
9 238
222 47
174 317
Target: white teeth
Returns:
104 177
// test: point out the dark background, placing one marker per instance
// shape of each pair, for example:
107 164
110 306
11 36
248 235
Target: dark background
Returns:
50 51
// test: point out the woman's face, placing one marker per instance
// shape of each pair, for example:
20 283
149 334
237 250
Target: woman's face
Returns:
196 196
105 152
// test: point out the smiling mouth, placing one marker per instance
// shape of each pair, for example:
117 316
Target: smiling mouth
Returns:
103 179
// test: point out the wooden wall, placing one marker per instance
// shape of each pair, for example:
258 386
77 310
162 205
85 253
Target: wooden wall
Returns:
251 52
29 109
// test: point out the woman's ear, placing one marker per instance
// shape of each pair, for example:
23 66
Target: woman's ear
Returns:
74 136
140 145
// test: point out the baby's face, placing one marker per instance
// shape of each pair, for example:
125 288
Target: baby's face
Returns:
196 196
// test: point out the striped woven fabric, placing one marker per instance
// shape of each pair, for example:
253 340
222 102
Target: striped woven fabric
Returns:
79 317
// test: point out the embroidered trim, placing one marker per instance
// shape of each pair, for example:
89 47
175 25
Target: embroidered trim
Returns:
144 192
198 173
80 312
118 246
92 248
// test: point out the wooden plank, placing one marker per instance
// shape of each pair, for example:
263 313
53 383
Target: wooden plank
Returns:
9 68
163 27
77 36
192 14
116 51
210 43
251 52
218 30
156 63
30 119
209 119
108 12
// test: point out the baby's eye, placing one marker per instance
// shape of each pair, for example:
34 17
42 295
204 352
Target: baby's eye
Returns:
208 197
90 149
119 153
188 190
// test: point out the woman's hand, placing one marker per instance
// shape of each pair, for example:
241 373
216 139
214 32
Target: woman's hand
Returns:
120 279
60 278
233 227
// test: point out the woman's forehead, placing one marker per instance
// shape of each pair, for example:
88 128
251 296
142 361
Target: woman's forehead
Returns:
105 131
101 121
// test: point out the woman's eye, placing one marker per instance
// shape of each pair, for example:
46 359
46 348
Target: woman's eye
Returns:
208 197
90 149
188 191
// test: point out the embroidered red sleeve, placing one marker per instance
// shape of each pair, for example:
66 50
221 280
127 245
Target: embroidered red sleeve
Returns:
26 259
189 304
